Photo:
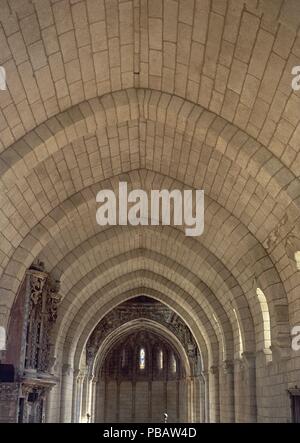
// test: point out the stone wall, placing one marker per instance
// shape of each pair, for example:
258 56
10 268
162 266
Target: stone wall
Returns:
142 402
9 393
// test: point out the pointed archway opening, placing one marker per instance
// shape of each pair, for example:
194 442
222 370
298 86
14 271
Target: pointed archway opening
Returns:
142 364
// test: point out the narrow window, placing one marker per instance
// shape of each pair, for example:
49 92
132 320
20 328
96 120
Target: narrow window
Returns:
160 360
123 361
2 339
173 364
266 317
142 358
2 79
241 348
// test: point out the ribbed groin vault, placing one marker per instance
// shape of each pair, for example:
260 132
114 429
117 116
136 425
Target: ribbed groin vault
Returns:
126 323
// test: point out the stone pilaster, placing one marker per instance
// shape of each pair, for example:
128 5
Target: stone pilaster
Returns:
249 363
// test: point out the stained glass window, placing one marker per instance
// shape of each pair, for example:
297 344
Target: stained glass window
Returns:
142 358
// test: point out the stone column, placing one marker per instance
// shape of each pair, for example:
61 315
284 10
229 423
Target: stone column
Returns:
183 394
190 399
228 404
214 394
89 397
53 402
94 385
202 389
77 395
84 403
66 394
197 399
206 411
79 411
238 389
250 411
100 401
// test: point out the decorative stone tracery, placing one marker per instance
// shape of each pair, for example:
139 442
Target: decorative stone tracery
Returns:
33 378
155 311
44 299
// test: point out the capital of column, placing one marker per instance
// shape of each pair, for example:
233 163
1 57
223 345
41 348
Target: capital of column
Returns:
67 369
91 377
214 370
204 375
228 367
78 374
239 364
264 355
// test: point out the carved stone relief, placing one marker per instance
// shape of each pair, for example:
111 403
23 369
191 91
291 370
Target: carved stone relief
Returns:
44 299
157 312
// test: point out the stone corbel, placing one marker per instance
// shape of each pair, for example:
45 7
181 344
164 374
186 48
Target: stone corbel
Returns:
293 390
264 356
214 370
249 359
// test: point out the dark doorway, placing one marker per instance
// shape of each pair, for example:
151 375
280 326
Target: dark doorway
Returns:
295 400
